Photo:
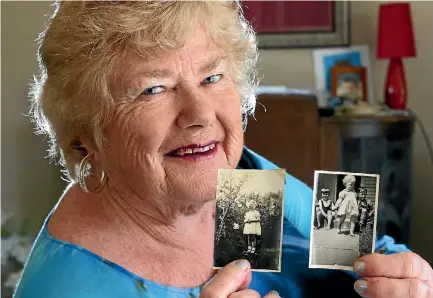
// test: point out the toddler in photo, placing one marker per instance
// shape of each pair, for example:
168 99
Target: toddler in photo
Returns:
347 204
252 227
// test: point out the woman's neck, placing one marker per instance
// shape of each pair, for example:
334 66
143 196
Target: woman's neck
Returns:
136 239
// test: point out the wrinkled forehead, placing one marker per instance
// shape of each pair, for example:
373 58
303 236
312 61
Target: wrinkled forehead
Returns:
199 54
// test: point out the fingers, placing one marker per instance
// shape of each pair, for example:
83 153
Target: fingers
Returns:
253 294
272 294
245 294
230 279
399 265
382 287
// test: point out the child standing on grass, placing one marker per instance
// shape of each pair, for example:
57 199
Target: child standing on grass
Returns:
252 227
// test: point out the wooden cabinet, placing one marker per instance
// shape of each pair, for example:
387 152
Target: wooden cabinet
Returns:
285 130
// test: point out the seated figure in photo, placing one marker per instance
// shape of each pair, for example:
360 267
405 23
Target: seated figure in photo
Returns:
347 204
252 227
370 214
323 209
363 207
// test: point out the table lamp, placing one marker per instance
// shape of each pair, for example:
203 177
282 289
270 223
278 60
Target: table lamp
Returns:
395 41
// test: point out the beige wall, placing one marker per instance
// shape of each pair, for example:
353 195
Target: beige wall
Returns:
294 68
30 185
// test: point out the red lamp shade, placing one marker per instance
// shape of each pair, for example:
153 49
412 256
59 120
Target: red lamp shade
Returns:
395 35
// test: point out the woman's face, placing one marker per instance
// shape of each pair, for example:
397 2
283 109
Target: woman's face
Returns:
182 126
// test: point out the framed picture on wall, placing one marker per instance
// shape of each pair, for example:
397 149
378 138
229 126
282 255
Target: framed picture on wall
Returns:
299 24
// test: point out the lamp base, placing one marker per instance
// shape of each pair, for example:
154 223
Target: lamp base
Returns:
395 86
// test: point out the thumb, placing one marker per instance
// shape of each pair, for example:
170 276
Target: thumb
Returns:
231 278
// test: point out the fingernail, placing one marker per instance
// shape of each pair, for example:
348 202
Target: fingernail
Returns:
242 264
274 293
361 287
360 267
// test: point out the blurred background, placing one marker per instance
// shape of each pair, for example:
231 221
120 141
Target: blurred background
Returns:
310 125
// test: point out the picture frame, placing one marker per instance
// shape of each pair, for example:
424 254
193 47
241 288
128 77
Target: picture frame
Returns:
299 24
325 59
349 82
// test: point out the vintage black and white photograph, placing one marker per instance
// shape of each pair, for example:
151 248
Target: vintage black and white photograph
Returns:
249 218
343 223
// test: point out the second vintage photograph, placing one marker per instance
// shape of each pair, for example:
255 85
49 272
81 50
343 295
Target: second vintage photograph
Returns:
343 218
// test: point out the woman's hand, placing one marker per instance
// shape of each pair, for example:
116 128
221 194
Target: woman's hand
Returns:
232 282
397 275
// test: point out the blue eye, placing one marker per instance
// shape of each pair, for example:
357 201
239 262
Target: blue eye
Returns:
153 90
212 79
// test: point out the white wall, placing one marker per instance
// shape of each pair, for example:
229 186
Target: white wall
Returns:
30 186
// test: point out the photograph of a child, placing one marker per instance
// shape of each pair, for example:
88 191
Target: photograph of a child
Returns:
344 218
350 86
249 218
252 227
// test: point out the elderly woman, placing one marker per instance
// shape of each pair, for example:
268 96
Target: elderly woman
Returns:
143 103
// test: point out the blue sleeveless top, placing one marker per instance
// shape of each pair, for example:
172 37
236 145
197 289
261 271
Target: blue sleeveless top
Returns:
57 269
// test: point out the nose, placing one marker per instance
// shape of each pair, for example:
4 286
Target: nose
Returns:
197 110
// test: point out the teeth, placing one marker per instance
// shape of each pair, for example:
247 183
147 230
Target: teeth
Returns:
182 152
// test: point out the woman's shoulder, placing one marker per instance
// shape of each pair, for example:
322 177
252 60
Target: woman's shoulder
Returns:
57 268
60 269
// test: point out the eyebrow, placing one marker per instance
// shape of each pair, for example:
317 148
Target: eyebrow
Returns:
156 73
163 73
212 65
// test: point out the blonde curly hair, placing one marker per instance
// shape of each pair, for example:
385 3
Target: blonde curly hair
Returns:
85 42
349 179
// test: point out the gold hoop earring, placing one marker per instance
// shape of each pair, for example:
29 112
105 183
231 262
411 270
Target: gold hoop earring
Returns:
84 170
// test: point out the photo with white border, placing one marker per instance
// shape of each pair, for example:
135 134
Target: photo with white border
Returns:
249 218
344 216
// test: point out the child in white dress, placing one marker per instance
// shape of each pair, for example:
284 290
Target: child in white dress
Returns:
347 204
252 227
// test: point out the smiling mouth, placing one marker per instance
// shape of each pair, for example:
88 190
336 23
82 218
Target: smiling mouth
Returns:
194 150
